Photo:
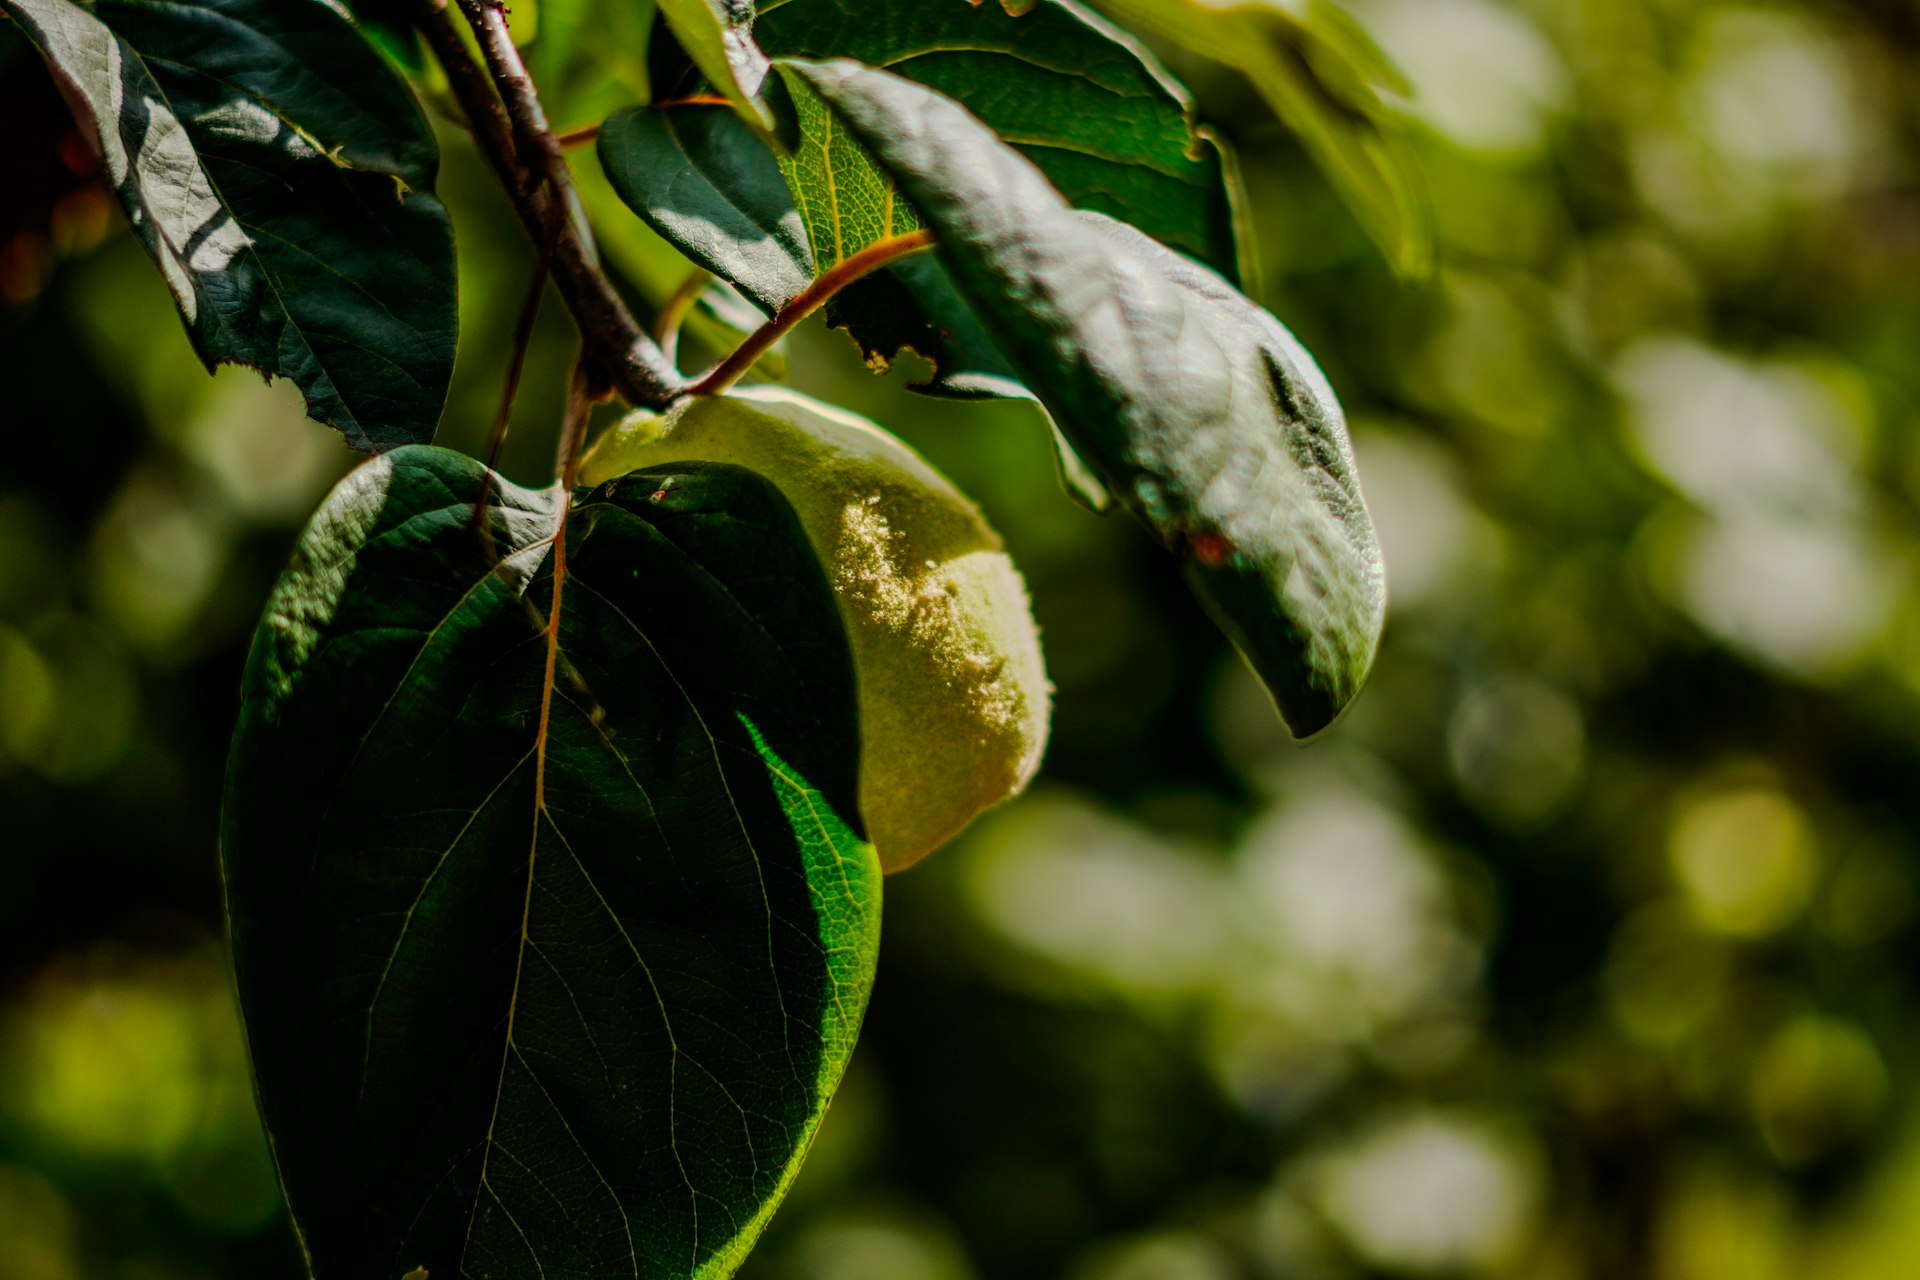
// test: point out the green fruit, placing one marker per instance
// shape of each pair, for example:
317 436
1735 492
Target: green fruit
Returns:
953 696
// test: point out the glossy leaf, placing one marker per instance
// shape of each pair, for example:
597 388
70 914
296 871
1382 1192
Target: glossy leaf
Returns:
1328 82
716 35
1080 98
549 960
1083 100
656 269
1198 410
707 183
281 176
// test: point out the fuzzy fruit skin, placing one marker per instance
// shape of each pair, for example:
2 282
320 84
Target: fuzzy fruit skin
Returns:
954 700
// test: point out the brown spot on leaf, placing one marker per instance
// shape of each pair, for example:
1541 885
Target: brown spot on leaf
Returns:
1210 549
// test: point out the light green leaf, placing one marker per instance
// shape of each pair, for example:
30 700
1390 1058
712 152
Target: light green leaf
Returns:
1198 410
549 958
281 176
844 199
1079 97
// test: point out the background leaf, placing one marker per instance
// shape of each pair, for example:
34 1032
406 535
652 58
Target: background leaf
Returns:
1327 81
589 58
387 25
562 1003
282 177
1196 408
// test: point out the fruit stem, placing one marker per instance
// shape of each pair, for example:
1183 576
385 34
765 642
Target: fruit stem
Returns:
806 302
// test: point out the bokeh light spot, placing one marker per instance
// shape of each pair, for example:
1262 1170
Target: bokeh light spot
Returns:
1433 1193
1518 747
1746 858
1818 1082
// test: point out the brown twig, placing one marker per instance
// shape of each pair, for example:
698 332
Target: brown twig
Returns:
573 432
510 388
580 137
511 131
808 301
517 360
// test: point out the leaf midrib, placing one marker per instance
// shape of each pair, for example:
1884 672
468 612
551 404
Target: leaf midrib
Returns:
556 544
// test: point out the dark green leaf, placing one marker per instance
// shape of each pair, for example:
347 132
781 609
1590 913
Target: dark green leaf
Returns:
1197 409
281 176
657 270
1328 82
706 182
1083 100
913 306
890 311
1080 98
387 25
538 991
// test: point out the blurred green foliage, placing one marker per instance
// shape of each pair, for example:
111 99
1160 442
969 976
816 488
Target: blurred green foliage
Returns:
1582 949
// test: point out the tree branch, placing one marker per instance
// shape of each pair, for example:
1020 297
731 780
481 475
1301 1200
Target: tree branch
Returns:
511 130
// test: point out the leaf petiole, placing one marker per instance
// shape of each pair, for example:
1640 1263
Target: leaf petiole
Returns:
843 273
666 325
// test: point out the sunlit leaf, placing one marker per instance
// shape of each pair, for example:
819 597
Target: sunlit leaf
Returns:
1080 98
706 182
550 957
716 35
657 269
1083 100
1197 409
281 176
845 200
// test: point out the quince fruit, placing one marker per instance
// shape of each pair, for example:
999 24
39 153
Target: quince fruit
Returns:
954 700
